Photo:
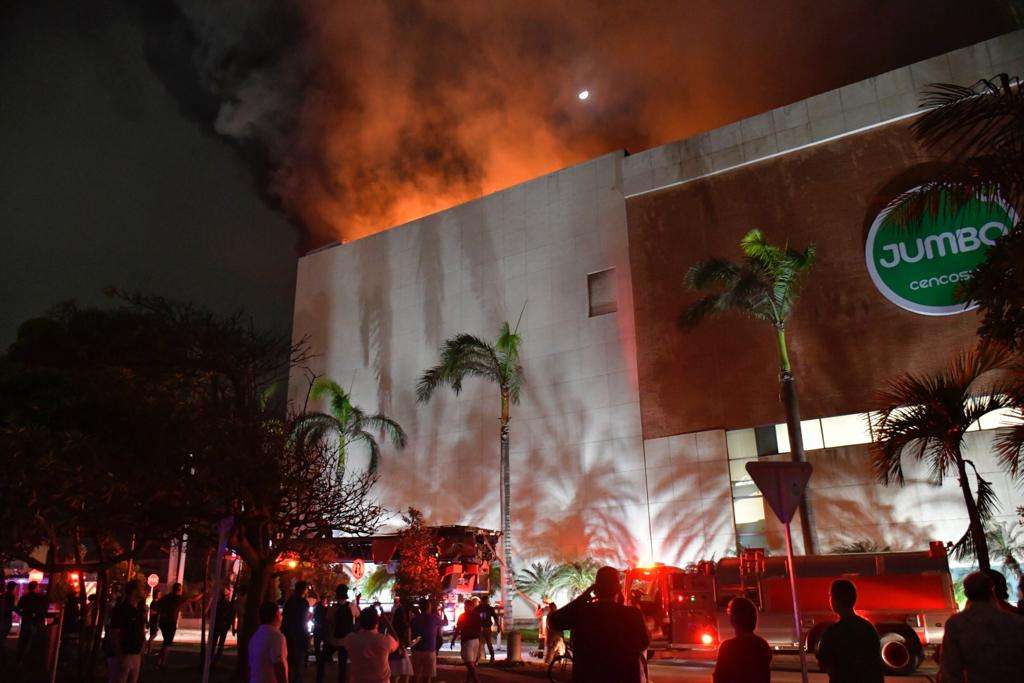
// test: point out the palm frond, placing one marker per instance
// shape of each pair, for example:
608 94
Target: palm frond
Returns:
462 356
391 429
1009 445
963 120
710 273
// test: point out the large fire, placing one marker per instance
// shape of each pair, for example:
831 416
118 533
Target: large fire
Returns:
366 115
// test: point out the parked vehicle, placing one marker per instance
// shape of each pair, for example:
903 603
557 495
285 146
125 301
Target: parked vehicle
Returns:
907 596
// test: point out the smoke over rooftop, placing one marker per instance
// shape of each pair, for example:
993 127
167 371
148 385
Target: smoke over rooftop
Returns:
362 115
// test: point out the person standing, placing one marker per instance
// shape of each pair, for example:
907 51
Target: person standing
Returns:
609 639
400 624
127 636
745 658
983 642
268 649
294 626
153 620
168 612
554 639
225 618
488 620
368 650
341 621
850 650
7 602
32 610
467 630
427 636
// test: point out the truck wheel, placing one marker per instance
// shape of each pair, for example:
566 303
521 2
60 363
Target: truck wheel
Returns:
813 637
901 650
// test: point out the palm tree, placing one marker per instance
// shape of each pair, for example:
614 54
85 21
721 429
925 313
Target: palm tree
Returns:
350 423
925 418
465 355
979 130
1007 543
577 576
541 579
764 286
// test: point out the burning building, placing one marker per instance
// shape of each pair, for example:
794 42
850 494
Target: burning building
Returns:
631 436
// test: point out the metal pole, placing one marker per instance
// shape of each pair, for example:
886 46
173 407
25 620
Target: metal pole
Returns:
796 607
223 528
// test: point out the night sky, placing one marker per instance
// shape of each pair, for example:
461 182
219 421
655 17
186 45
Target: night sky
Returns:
194 148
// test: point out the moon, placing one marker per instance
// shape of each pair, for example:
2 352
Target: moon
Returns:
583 94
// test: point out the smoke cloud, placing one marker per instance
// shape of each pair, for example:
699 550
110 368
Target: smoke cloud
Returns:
363 115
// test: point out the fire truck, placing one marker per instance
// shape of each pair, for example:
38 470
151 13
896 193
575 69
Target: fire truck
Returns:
907 596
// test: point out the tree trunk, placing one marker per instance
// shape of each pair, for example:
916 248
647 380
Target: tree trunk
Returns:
796 439
977 530
260 574
507 575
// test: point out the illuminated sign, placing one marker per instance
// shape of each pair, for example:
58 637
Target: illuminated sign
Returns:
921 265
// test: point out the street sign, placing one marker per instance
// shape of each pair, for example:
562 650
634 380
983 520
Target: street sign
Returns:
782 484
152 580
358 569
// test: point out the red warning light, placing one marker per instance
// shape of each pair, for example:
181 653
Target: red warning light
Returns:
706 638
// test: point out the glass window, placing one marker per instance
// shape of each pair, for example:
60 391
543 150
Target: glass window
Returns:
748 511
845 430
811 432
741 444
744 489
738 469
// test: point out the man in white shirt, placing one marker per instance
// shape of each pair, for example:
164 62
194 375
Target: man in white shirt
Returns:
368 650
268 652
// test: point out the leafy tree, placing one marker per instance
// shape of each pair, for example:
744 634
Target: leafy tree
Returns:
926 417
577 576
348 422
464 356
979 129
764 286
540 579
417 575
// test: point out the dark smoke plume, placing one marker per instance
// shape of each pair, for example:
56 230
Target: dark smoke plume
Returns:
362 115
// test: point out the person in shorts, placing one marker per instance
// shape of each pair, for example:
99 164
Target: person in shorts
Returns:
426 634
467 629
168 610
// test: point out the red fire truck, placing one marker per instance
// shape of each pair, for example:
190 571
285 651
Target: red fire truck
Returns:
907 596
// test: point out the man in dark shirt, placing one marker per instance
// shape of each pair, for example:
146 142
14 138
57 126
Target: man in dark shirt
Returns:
849 650
608 639
427 636
32 610
295 616
488 618
169 609
747 658
127 636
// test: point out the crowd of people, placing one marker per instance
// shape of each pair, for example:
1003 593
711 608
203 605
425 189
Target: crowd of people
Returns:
610 640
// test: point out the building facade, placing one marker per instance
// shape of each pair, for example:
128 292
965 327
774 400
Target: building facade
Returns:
630 439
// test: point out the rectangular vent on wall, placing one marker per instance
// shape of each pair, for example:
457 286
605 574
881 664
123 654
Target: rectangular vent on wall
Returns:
601 292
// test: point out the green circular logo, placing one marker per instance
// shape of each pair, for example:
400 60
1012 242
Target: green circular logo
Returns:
919 266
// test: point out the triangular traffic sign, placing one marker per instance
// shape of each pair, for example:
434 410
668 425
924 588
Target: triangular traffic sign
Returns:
782 484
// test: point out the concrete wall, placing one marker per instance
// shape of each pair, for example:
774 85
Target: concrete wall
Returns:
585 483
379 308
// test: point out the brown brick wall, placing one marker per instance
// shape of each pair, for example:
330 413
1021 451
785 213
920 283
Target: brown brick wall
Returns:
845 338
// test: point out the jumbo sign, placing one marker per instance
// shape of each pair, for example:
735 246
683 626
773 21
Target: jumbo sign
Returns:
920 266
